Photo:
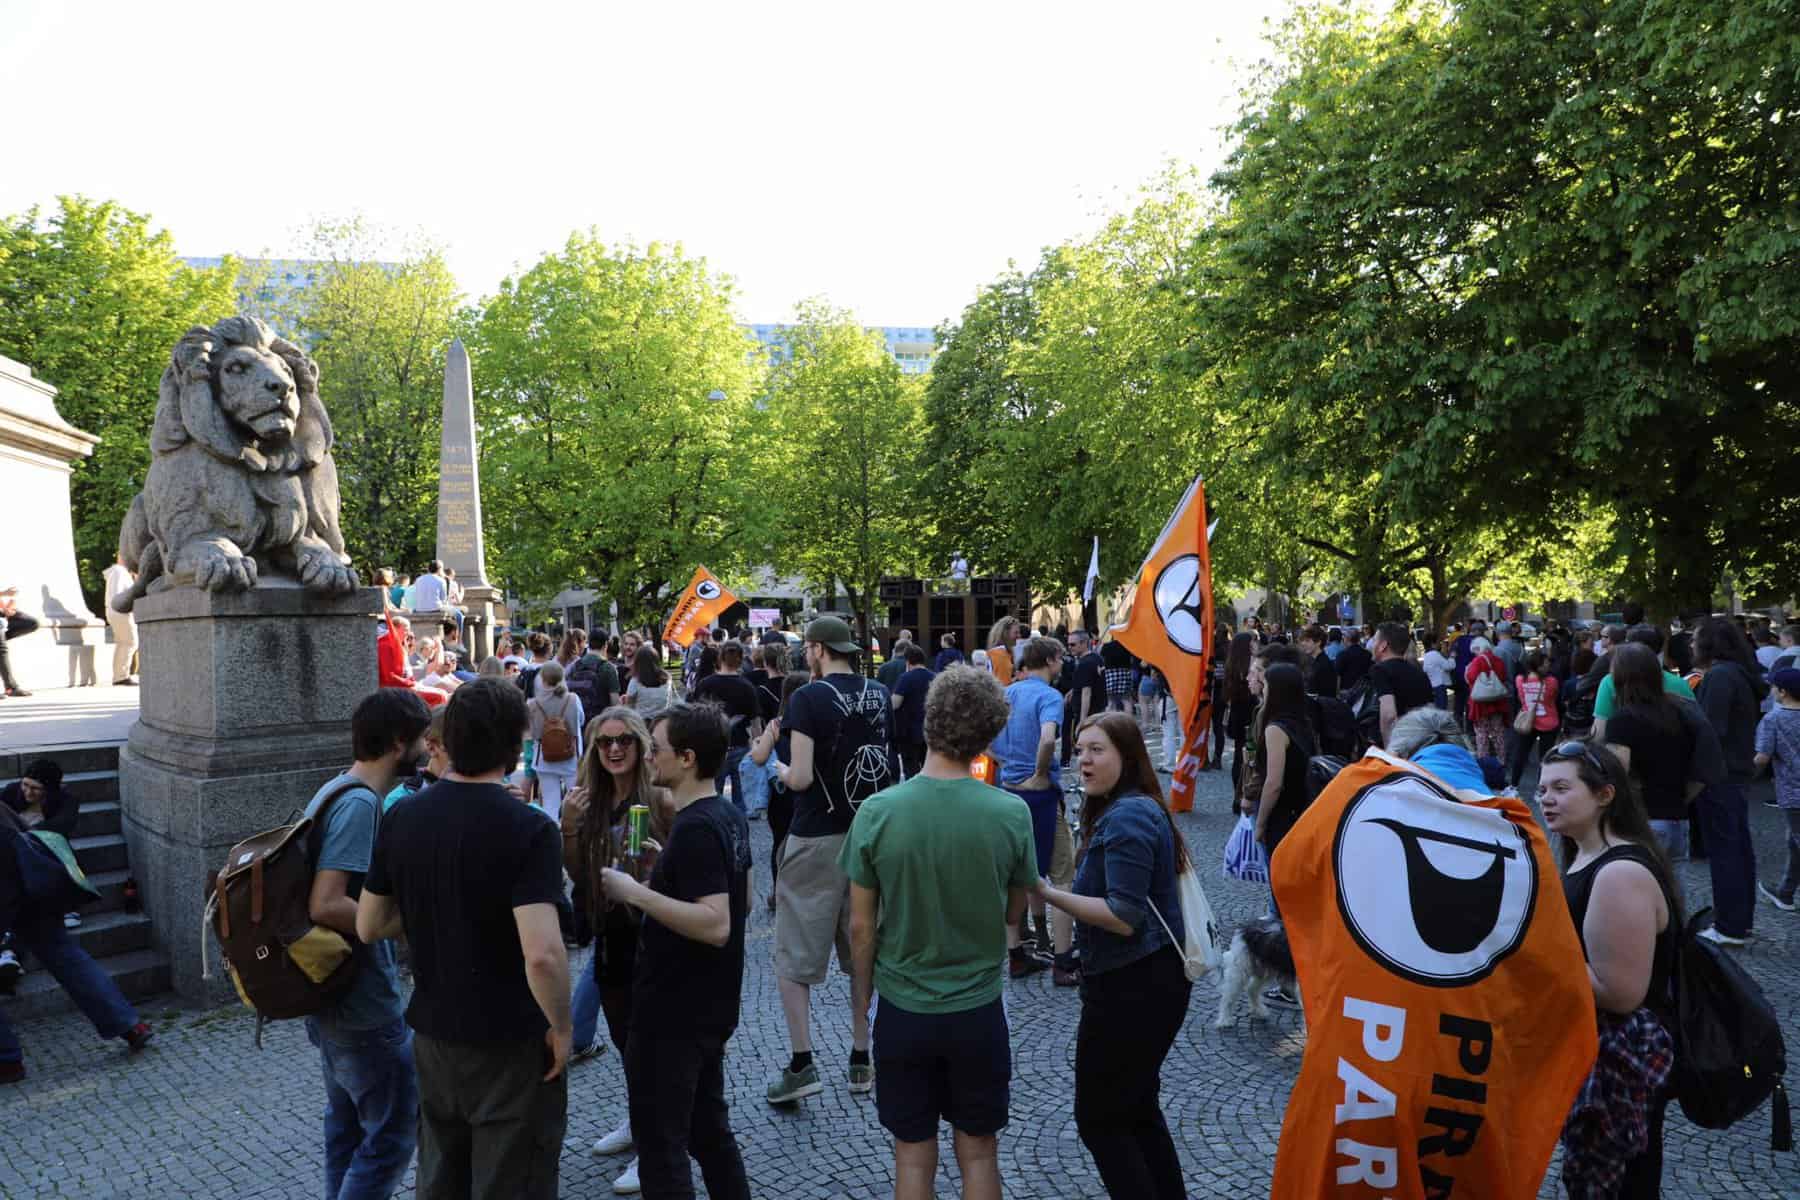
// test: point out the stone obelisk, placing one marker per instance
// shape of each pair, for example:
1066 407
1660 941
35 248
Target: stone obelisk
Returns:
459 544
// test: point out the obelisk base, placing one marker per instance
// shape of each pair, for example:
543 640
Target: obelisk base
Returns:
245 710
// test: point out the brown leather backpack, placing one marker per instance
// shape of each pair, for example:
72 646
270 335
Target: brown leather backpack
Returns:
282 963
556 744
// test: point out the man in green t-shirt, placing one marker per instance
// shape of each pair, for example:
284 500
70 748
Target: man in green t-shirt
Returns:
939 867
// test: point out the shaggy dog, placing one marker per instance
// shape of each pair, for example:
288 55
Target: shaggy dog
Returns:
1259 958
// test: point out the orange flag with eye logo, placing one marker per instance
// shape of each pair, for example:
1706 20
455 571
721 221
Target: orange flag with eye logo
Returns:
1170 627
704 598
1449 1020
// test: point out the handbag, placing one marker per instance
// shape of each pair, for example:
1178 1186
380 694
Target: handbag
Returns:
1488 685
1200 946
1525 720
1244 858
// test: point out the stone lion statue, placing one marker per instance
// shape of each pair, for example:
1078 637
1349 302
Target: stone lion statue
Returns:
240 470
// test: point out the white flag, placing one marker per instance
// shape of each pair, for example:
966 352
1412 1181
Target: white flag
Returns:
1093 575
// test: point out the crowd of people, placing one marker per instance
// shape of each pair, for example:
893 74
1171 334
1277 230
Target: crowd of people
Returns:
575 789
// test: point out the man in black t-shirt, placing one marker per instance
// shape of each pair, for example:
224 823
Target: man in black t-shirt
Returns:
838 727
1400 683
1087 691
690 966
908 701
1353 661
473 877
732 691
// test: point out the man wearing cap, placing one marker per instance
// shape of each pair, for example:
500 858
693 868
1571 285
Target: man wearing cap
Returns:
839 726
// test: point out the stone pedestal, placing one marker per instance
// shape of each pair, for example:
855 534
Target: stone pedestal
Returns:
37 540
245 711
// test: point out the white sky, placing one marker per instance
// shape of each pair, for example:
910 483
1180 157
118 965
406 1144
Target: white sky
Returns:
891 158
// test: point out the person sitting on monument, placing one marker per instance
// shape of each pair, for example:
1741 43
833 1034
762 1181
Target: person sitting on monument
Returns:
437 669
13 625
390 656
457 653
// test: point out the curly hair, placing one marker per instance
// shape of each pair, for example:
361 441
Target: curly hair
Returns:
964 711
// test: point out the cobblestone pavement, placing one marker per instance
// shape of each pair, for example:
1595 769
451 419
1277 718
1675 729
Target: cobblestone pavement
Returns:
203 1113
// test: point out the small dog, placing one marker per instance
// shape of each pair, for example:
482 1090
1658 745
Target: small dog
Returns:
1259 958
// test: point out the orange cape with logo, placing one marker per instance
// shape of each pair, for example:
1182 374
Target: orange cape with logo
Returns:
1449 1016
704 598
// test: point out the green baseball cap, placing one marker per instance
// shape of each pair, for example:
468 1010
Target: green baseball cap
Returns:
833 633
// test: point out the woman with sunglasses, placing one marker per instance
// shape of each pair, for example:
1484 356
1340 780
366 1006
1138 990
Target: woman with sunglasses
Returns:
1134 991
614 776
1627 909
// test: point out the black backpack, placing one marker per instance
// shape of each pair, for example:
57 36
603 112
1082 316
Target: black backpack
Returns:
1321 769
1578 704
1729 1052
1334 724
583 678
1365 712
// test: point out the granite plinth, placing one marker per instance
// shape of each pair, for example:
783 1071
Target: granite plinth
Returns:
245 710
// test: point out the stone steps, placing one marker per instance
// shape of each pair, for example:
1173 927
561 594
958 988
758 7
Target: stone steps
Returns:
119 941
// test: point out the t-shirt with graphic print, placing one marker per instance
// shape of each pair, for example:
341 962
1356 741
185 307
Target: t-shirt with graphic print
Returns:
1778 736
848 719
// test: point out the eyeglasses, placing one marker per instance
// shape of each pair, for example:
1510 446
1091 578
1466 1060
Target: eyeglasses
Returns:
608 742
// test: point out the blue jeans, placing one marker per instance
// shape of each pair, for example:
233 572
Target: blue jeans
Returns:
733 759
91 988
1725 821
371 1108
586 1005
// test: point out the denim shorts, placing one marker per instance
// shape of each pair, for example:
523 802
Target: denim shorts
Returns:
932 1067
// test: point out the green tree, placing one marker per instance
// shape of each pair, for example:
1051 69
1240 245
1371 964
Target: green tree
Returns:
93 299
379 330
1515 253
603 460
849 422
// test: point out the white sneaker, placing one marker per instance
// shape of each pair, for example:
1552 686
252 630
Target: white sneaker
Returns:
617 1141
1711 933
71 920
627 1184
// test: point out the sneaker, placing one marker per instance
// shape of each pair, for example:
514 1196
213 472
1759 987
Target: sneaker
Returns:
1281 997
862 1078
1711 933
138 1036
627 1184
616 1142
11 971
1768 893
593 1049
71 920
11 1072
1021 962
795 1085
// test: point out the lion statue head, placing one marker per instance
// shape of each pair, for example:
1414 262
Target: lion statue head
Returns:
246 396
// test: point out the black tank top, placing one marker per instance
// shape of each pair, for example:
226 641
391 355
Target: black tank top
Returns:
1578 888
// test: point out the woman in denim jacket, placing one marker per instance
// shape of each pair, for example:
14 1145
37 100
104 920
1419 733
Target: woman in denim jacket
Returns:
1134 993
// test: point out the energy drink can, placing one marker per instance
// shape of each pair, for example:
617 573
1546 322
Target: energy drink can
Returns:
637 828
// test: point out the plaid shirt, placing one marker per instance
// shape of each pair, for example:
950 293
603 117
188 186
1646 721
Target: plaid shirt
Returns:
1609 1123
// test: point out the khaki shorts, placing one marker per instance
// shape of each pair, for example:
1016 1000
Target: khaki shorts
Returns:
1062 854
812 909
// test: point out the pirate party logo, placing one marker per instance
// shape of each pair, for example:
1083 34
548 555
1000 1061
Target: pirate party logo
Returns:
1436 891
1177 596
708 589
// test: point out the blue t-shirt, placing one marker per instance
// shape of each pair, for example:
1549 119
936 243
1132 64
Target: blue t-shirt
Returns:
909 718
347 843
1778 736
1033 702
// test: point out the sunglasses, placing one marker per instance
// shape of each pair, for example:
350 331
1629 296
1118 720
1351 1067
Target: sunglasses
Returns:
1564 751
608 742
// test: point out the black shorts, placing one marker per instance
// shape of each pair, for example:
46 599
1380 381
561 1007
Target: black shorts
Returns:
955 1067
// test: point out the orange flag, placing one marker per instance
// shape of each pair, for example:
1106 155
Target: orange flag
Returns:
1170 627
704 599
1449 1019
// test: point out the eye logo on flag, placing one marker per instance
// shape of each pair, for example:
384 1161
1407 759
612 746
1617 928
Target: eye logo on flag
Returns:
703 599
708 589
1177 595
1471 882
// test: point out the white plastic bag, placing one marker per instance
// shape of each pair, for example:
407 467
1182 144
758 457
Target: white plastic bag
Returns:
1244 858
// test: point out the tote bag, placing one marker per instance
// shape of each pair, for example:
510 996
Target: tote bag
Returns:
1244 858
1200 945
